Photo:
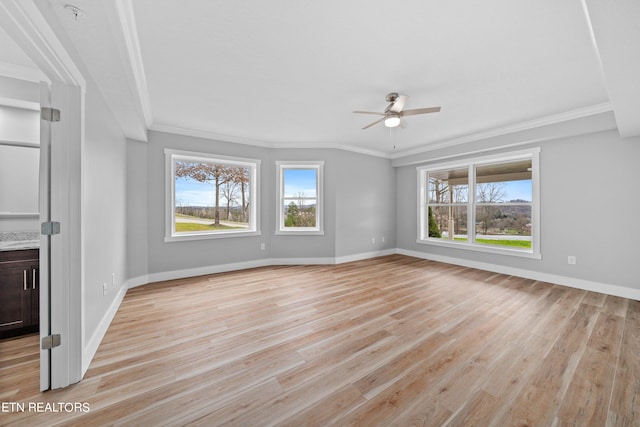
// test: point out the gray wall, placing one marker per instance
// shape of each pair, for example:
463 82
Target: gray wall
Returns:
358 205
589 209
175 256
137 253
104 209
282 246
365 204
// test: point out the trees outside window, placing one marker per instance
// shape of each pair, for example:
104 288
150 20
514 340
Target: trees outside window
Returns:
300 197
210 196
486 204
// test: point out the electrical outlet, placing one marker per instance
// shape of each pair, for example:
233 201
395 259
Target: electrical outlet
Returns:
382 239
373 240
571 260
104 289
113 280
263 246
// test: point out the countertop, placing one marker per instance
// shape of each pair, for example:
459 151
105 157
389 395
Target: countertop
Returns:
19 240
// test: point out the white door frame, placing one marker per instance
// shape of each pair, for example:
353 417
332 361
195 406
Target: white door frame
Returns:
24 23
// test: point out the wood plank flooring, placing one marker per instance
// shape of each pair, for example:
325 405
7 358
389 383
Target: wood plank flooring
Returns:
391 341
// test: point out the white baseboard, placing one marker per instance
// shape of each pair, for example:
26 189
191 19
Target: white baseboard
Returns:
587 285
201 271
364 255
302 261
94 342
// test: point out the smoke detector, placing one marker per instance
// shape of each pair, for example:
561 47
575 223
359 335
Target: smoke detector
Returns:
74 11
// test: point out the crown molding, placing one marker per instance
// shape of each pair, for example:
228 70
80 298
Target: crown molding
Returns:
319 145
126 16
510 129
176 130
25 24
505 130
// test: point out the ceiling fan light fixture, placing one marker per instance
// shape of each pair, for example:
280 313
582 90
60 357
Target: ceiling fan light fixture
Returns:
392 121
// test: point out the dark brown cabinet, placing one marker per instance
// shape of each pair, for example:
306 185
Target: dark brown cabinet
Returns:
19 292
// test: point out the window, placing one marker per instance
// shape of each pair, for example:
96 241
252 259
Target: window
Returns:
299 198
210 196
488 204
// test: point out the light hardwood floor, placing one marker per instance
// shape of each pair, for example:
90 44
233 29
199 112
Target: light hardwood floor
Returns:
386 341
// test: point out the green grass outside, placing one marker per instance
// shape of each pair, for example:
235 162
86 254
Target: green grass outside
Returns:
498 242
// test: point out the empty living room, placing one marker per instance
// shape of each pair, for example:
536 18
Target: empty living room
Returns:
303 213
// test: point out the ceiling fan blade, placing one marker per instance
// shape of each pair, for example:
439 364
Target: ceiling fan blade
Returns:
369 112
398 104
420 111
374 123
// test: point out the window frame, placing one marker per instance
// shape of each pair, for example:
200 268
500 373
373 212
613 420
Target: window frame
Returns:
171 156
472 163
281 166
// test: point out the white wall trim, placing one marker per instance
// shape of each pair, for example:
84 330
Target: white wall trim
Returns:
199 271
222 268
96 339
258 143
510 129
176 130
541 122
124 10
364 255
24 22
587 285
94 342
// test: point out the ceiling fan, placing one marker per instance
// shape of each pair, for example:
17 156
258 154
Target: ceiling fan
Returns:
394 112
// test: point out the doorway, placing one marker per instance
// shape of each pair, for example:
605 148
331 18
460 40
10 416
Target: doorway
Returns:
61 252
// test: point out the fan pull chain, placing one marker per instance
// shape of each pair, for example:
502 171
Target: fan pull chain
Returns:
392 135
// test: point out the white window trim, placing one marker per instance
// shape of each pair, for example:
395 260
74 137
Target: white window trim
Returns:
254 208
318 230
533 154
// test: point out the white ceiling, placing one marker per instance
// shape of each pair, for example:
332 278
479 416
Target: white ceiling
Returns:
290 72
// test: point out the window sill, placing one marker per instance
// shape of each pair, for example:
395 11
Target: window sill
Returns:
299 232
209 236
482 248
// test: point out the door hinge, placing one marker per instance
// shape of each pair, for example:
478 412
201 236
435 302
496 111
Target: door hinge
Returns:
50 341
50 114
50 228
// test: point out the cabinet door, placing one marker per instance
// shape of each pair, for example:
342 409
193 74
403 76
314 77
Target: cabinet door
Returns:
15 298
